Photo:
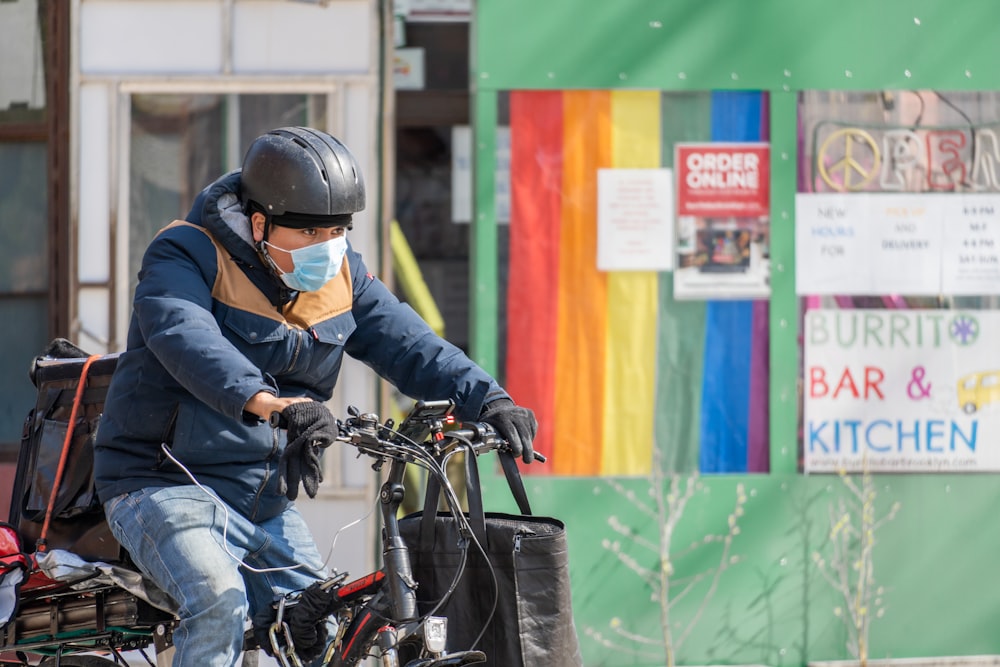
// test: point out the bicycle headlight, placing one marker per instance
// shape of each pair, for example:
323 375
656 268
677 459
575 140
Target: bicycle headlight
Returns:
435 633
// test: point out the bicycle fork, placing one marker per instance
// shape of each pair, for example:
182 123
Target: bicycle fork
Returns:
387 646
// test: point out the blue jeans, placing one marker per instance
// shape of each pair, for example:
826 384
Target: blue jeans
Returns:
179 536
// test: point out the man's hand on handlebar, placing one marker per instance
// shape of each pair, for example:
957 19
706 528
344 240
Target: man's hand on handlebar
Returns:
513 423
307 621
311 429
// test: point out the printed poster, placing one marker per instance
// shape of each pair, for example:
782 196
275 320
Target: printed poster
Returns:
408 69
881 243
635 220
723 220
901 391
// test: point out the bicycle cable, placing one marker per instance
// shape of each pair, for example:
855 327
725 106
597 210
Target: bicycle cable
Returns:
486 559
459 571
437 468
333 543
418 456
221 504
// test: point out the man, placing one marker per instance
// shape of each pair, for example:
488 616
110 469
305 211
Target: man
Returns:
245 309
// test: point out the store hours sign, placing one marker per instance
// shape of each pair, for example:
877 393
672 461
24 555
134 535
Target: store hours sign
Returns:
901 391
883 243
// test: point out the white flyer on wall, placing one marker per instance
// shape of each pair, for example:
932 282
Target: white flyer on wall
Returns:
971 253
906 237
831 243
635 213
912 244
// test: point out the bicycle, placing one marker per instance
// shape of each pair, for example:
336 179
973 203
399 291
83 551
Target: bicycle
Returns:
377 615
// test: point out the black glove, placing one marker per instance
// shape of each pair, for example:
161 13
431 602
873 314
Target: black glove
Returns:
262 622
514 424
307 622
311 429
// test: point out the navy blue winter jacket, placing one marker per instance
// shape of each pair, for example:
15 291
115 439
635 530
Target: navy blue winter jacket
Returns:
212 326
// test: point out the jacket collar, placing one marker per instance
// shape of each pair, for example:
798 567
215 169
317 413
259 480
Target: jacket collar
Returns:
218 209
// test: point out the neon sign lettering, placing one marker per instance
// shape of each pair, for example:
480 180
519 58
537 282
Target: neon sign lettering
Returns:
866 159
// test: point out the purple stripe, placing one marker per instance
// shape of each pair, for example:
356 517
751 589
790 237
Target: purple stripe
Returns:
758 428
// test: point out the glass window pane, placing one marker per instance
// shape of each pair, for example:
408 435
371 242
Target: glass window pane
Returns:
425 210
174 152
680 374
24 256
22 343
898 216
22 74
23 209
24 277
260 113
23 217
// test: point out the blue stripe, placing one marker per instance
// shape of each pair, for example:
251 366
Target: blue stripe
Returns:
725 390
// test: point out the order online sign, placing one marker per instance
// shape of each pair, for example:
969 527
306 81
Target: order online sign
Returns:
901 391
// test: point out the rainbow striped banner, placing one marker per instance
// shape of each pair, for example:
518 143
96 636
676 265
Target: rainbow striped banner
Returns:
612 365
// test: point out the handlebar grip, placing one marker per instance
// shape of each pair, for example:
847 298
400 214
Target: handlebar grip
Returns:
484 432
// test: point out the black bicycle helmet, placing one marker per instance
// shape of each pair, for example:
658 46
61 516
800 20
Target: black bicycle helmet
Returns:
304 176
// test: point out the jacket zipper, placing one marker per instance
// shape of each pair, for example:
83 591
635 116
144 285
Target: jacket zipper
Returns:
298 348
167 438
267 474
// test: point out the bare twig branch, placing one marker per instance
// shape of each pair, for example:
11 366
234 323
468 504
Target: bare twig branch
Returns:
669 495
850 569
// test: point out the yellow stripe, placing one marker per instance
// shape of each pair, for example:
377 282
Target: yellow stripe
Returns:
630 352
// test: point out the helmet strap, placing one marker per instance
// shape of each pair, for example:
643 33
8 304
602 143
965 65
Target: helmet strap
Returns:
266 256
254 207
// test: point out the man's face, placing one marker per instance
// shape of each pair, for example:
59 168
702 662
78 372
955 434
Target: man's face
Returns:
282 240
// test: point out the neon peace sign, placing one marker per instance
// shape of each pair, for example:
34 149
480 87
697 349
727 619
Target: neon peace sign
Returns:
859 149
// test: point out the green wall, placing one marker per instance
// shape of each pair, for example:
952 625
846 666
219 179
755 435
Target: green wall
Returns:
934 561
736 44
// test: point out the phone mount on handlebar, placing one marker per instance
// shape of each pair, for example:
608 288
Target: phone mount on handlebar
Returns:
425 416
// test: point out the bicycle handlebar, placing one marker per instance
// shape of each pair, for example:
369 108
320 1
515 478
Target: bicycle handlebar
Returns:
369 436
383 440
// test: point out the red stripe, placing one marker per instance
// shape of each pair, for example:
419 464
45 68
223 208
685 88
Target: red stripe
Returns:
358 631
360 584
536 131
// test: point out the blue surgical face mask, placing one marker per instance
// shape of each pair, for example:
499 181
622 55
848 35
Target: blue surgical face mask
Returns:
314 264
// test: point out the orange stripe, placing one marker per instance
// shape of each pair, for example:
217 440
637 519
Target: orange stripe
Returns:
581 322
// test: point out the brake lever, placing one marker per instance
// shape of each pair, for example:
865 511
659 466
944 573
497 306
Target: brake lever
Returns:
489 437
